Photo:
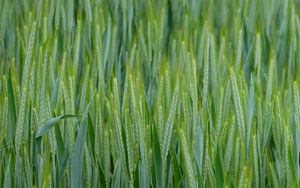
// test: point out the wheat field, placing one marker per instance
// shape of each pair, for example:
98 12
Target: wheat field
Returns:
149 93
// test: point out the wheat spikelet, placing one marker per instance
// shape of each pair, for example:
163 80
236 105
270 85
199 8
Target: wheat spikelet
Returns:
106 150
69 122
194 85
70 15
89 11
227 98
138 123
273 175
149 162
220 115
4 120
28 170
239 49
168 133
57 14
286 157
129 145
167 88
99 130
242 178
77 47
276 128
187 161
214 77
229 146
205 159
51 135
51 71
67 181
257 56
255 157
43 102
160 125
88 167
32 81
188 115
237 104
143 139
4 110
195 102
3 20
25 82
224 134
269 85
118 128
296 104
206 73
133 104
259 118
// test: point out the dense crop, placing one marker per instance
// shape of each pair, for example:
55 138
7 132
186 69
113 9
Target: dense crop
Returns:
149 93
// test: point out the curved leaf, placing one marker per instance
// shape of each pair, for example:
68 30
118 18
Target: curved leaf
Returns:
50 123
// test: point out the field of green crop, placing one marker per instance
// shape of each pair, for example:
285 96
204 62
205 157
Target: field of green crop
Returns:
149 93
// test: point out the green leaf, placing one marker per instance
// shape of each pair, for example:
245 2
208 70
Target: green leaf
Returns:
77 158
59 140
219 170
50 123
63 160
157 158
11 104
7 178
91 136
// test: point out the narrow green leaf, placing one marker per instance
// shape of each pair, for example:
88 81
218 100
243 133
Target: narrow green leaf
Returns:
77 158
50 123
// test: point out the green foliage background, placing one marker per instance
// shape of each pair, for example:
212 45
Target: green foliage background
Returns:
149 93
